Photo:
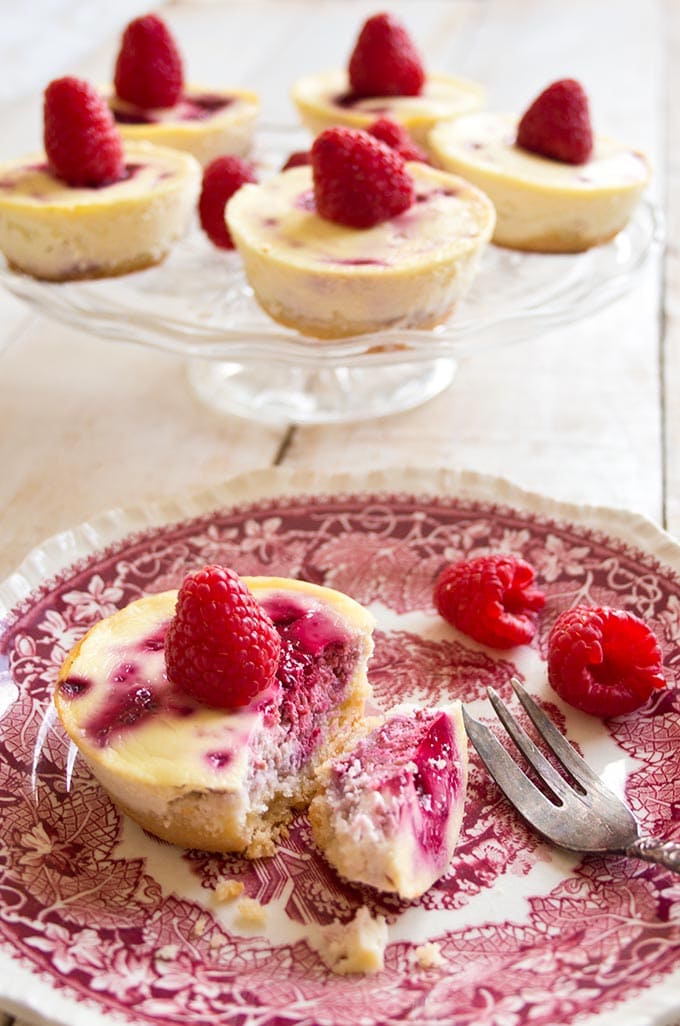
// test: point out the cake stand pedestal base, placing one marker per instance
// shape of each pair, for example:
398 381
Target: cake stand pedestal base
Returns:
278 393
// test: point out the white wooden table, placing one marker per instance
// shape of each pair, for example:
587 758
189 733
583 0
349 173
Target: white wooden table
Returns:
585 413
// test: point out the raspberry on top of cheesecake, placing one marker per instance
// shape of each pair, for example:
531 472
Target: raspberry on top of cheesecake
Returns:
152 102
556 186
359 241
205 713
384 78
91 205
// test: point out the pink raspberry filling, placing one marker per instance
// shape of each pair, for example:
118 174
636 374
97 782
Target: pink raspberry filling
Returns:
412 758
190 108
316 662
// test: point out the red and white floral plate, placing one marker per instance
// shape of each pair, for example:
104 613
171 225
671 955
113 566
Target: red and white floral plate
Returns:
100 923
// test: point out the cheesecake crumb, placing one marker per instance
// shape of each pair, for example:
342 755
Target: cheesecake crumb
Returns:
354 947
227 890
251 912
429 956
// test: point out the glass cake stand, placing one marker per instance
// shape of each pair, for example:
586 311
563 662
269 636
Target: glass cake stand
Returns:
198 305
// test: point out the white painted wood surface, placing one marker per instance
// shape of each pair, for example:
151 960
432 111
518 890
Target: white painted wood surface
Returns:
576 413
586 413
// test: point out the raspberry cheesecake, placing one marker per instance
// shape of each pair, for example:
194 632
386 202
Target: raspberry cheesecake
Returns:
551 194
385 77
151 101
89 206
209 739
329 279
59 232
389 811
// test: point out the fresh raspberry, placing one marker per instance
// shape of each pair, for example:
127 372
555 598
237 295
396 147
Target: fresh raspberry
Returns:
149 66
604 661
297 159
491 599
221 646
385 61
397 138
358 180
221 179
82 143
557 124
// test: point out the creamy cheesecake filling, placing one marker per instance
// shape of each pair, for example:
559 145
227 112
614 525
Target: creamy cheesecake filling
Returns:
542 205
58 232
440 97
488 139
280 218
401 780
30 181
391 809
327 96
192 107
129 715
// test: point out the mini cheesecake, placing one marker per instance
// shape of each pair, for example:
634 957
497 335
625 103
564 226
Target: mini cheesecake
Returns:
207 778
207 123
389 812
542 204
325 100
58 232
331 281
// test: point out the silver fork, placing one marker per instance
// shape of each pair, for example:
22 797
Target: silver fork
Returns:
580 815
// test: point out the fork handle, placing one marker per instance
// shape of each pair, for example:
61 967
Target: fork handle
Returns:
655 849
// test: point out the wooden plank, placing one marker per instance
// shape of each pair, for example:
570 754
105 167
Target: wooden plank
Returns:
552 414
89 425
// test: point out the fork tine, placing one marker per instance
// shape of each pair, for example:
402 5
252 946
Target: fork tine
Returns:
568 756
512 781
557 784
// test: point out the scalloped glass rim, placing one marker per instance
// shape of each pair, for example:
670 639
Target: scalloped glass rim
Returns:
198 304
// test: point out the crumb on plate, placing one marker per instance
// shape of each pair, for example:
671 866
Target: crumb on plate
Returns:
354 947
227 890
429 956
